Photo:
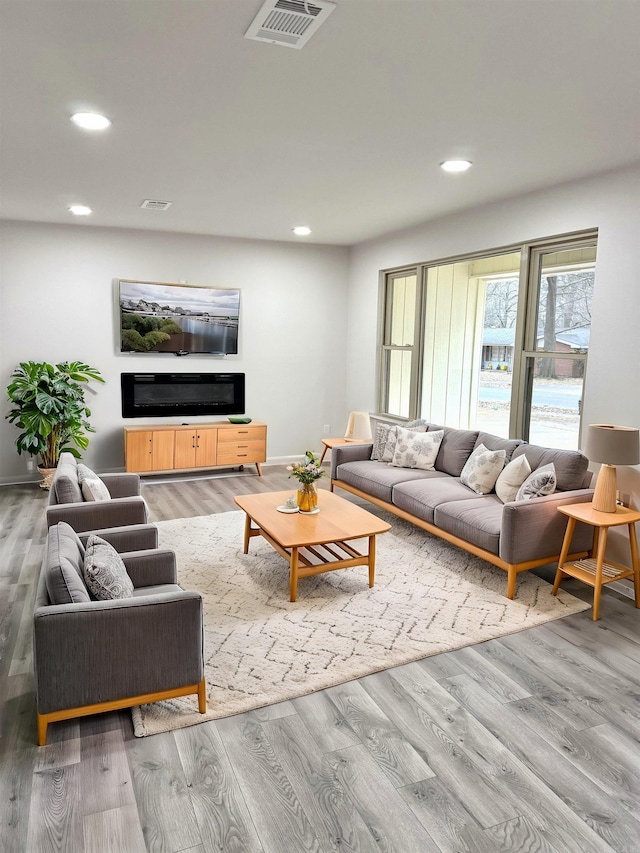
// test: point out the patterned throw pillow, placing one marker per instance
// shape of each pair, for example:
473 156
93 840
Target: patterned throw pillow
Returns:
416 449
540 482
481 469
512 477
93 489
104 572
380 441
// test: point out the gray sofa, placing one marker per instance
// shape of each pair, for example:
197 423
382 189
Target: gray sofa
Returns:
92 656
514 536
66 502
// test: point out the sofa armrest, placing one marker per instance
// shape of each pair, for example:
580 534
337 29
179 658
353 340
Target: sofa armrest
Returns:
122 485
131 537
106 650
99 515
151 567
349 453
534 529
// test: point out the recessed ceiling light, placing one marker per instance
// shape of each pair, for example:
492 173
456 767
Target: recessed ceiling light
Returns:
90 121
456 165
80 210
302 231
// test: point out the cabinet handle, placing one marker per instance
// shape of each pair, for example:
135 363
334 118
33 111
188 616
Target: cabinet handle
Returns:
241 446
243 432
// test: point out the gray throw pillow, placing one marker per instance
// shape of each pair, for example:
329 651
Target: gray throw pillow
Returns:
416 449
540 482
93 489
104 572
482 468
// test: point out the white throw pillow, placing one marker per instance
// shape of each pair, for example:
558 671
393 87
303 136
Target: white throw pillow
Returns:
512 477
104 572
540 482
416 449
93 489
481 469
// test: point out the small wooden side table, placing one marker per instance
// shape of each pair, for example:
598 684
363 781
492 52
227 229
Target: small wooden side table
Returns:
330 443
597 572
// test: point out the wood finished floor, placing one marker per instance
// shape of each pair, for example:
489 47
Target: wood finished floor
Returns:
527 743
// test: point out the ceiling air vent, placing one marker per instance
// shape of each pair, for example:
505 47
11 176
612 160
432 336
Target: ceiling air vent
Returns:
290 23
153 204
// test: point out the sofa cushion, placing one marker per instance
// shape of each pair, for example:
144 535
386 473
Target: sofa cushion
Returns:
156 590
378 478
494 442
416 449
421 497
482 468
571 466
512 477
63 566
65 481
455 449
92 487
540 482
104 572
478 522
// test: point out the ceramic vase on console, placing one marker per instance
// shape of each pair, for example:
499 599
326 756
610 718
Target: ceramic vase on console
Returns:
307 497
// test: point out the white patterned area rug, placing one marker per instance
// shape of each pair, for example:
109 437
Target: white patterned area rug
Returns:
260 648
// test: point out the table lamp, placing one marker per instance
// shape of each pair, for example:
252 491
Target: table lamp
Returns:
358 427
610 445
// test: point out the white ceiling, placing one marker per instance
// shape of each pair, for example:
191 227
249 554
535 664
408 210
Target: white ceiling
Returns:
249 139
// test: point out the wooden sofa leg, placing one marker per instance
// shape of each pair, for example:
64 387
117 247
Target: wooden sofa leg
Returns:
42 723
512 575
202 697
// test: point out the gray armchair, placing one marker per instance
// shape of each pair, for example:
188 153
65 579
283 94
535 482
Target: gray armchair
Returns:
66 502
94 656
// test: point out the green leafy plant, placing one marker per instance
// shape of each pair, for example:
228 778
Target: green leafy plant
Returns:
48 405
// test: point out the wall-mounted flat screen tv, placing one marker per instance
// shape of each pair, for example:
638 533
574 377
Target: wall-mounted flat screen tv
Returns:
178 318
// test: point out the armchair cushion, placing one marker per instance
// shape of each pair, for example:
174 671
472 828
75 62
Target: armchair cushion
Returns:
65 554
104 571
65 487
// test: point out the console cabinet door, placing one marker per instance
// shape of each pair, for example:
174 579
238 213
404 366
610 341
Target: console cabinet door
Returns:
206 447
149 450
185 451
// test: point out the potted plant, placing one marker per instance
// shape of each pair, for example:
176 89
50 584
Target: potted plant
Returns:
48 405
306 473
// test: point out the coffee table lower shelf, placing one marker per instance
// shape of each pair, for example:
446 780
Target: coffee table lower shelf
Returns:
309 560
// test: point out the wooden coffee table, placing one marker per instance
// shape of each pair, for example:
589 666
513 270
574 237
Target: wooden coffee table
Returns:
312 543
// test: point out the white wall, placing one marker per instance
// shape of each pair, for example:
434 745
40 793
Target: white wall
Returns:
57 303
611 203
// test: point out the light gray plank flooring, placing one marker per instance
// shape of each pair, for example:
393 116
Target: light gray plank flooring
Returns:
527 743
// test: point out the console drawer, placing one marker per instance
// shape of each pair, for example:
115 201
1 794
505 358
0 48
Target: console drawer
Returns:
241 452
241 433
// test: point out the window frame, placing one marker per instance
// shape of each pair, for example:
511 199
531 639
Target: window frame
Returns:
524 353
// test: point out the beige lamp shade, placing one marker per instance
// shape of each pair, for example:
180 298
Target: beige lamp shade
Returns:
358 427
610 445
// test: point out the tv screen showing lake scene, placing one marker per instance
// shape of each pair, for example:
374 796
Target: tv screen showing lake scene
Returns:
181 318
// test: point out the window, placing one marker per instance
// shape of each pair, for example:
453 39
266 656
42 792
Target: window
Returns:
497 341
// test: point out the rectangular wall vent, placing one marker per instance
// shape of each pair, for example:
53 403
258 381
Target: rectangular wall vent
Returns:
289 23
153 204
